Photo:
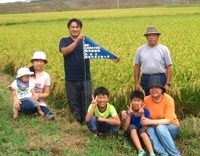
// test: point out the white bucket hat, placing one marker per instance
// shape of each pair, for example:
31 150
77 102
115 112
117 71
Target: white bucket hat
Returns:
23 71
39 55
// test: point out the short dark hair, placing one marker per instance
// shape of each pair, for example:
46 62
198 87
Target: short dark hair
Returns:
101 90
79 23
137 94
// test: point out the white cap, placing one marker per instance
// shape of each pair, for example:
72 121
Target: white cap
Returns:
39 55
23 71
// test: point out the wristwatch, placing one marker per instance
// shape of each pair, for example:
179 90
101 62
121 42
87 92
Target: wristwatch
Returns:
168 84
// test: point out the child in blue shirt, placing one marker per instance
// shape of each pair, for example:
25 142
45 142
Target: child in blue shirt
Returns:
132 124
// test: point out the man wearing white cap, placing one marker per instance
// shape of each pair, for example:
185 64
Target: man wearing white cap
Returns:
152 59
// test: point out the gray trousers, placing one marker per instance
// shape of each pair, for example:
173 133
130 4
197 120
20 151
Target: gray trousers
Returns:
79 94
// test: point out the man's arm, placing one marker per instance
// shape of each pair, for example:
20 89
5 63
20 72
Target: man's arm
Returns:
137 76
69 49
169 73
169 76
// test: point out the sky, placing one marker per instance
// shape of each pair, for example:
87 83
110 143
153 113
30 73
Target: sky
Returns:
10 1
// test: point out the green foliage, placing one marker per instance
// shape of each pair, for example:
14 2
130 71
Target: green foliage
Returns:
57 101
9 69
121 32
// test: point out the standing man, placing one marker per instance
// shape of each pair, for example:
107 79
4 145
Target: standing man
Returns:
152 59
77 71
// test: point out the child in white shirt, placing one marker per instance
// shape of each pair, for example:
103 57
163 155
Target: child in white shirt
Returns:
24 90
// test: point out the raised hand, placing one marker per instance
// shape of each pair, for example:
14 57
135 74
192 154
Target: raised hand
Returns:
143 118
141 109
116 59
94 101
130 110
79 38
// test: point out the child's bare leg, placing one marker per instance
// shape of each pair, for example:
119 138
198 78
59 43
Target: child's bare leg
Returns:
15 115
40 112
135 139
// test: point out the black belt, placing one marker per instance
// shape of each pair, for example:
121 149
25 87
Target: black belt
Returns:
153 74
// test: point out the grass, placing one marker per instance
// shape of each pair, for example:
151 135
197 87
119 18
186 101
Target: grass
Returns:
35 136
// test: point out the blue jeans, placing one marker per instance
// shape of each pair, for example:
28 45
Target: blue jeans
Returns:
47 112
28 107
101 127
161 137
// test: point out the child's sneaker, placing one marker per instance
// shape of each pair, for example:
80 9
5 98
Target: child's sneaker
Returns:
152 155
50 117
141 153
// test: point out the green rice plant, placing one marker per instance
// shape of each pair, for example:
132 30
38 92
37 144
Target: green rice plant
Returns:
9 69
121 32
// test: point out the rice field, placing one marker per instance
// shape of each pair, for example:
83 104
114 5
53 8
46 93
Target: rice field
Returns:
121 32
